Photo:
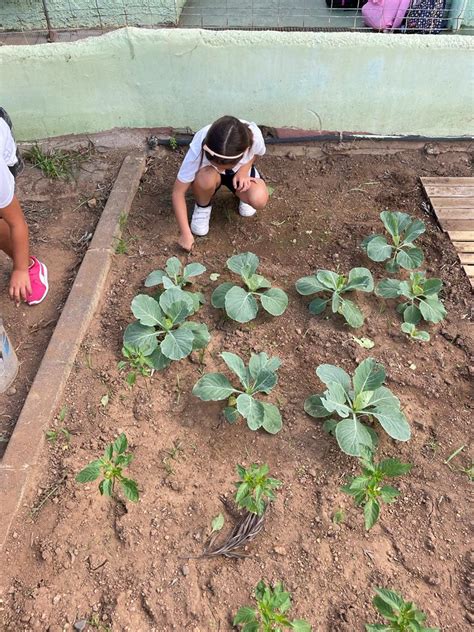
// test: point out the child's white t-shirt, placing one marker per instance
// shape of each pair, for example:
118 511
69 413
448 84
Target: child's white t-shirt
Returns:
192 162
7 159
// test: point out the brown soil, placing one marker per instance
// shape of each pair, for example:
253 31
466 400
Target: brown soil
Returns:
82 557
61 218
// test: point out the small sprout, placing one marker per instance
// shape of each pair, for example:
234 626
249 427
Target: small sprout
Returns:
356 402
414 333
54 434
422 304
401 253
62 414
176 275
173 143
110 467
334 285
217 523
240 303
368 490
161 333
258 377
270 613
469 471
403 616
254 488
339 516
365 343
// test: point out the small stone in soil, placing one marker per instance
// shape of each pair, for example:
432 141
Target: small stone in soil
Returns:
185 570
279 550
80 625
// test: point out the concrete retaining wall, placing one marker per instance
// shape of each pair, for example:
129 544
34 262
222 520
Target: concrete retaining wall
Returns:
375 83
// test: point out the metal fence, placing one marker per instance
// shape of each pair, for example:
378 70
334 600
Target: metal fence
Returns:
35 21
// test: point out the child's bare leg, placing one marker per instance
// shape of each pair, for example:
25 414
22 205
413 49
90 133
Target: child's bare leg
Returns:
256 195
205 184
5 239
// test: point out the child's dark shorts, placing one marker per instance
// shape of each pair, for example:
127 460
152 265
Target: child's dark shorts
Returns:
228 176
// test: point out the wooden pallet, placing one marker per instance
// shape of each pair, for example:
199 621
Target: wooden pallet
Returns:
452 200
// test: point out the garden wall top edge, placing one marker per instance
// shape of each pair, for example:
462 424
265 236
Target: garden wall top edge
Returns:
244 38
376 83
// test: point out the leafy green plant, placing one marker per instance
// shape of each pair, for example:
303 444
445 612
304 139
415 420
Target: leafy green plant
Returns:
334 285
137 362
240 303
173 143
259 377
356 402
414 333
423 302
368 490
177 275
254 488
270 614
161 332
403 231
110 467
403 616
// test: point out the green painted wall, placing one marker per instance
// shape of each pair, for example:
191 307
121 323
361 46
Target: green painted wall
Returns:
28 14
375 83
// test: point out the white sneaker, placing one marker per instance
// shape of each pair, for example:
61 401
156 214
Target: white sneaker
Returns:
200 220
246 210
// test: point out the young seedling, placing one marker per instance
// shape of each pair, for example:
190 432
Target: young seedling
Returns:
137 362
402 616
255 488
54 434
240 303
161 332
110 467
259 377
356 402
422 304
403 231
177 275
270 613
368 490
414 333
333 285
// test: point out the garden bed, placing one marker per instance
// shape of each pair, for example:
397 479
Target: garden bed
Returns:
78 556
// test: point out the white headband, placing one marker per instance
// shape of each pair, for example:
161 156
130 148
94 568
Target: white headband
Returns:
213 153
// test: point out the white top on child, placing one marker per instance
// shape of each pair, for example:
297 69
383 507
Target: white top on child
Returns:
7 159
192 162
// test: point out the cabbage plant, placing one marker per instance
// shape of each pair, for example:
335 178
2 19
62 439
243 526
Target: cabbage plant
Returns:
260 376
161 331
401 253
242 303
333 286
349 405
177 275
421 301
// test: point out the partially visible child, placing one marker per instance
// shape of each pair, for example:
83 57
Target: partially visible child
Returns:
29 277
223 153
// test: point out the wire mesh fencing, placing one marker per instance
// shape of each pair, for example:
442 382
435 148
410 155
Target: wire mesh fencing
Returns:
65 20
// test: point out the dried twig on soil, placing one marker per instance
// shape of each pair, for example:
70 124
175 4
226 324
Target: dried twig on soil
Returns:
248 526
52 491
